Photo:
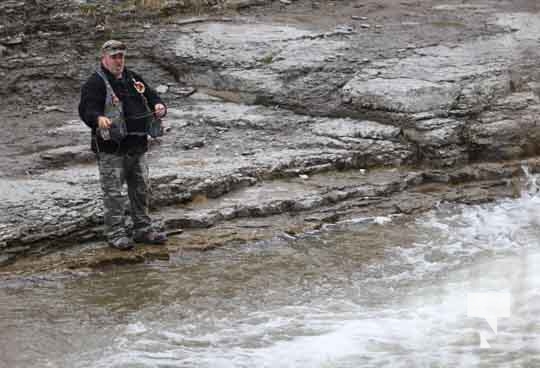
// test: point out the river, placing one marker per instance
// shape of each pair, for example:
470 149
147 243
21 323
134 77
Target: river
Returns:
369 292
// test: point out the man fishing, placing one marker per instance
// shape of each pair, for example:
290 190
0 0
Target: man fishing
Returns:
122 110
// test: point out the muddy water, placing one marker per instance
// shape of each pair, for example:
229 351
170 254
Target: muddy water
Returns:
373 292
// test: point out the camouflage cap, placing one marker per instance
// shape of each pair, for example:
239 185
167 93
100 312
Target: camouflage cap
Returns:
113 47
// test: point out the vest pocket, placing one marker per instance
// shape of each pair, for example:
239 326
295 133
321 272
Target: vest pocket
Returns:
155 128
118 129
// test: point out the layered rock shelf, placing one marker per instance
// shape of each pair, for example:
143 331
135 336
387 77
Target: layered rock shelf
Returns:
306 114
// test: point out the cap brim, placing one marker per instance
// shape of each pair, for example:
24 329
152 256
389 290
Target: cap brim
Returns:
115 52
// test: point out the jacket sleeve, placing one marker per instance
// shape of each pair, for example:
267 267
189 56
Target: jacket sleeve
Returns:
92 103
150 93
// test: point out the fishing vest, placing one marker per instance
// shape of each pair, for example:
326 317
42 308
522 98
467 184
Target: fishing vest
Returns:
114 111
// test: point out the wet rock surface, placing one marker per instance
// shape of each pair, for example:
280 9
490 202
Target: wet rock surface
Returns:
306 114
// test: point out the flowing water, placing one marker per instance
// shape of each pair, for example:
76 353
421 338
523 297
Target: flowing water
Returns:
373 292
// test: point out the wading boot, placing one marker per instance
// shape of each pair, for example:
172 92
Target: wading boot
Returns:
151 237
122 243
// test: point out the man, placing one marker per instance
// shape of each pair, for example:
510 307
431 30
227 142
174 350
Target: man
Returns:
119 107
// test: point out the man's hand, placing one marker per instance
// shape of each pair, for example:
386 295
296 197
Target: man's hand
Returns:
104 122
160 110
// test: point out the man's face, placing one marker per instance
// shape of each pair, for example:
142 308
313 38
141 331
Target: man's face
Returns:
114 63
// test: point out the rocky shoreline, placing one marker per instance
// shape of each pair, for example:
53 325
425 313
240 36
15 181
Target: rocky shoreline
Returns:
359 110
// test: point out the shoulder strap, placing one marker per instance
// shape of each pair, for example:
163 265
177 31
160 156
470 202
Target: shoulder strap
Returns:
110 91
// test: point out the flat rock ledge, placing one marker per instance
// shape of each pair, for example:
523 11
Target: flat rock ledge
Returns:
282 208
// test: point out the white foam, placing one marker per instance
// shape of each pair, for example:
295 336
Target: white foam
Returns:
135 328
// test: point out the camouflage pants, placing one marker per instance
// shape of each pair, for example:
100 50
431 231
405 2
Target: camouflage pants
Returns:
114 171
